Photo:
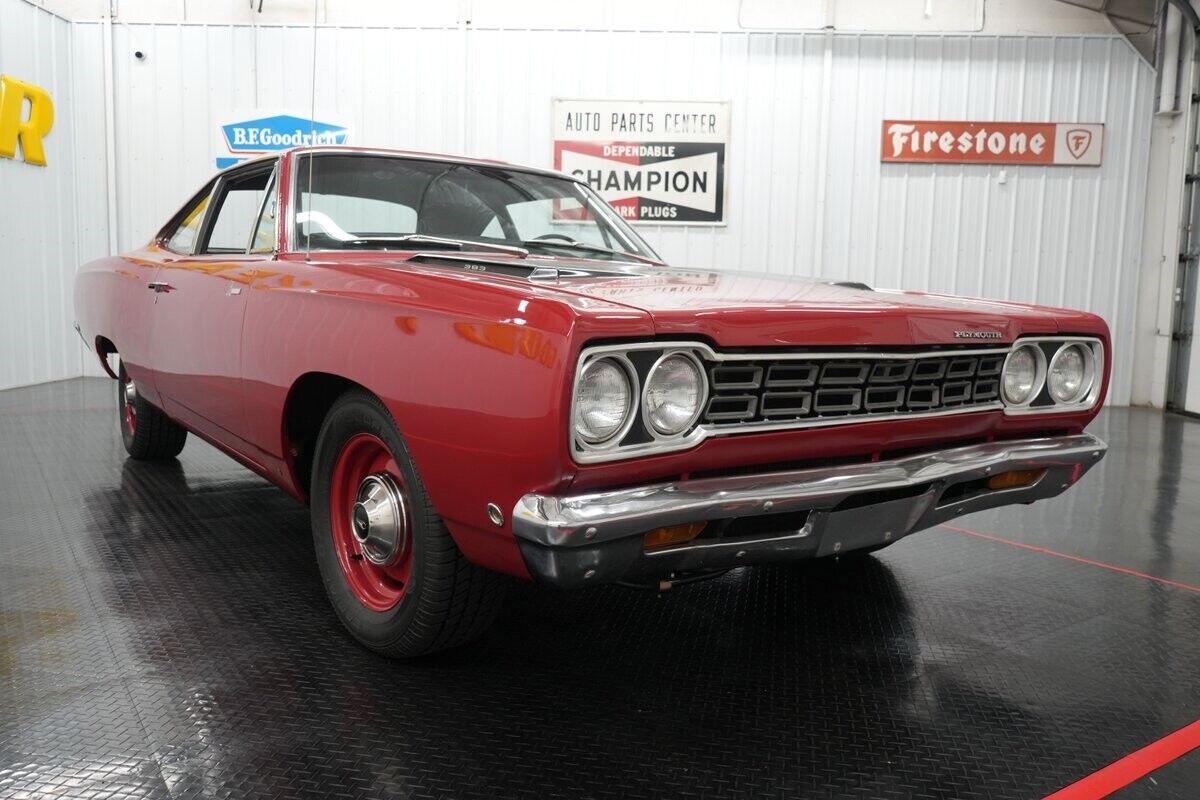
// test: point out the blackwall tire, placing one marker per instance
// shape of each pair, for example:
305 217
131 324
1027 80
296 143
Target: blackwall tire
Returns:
147 433
428 597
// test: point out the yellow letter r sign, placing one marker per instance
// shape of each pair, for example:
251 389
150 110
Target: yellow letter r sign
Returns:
30 131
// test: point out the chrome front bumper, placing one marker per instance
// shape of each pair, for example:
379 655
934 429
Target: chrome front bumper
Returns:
597 537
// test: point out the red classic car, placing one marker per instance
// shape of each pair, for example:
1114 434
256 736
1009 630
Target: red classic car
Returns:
472 370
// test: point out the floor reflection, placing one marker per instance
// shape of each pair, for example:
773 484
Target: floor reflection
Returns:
202 659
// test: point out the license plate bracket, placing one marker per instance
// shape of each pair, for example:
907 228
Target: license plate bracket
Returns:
873 525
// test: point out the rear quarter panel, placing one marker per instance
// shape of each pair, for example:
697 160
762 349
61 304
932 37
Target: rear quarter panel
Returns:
112 301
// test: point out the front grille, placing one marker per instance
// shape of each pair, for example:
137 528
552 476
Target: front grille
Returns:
772 390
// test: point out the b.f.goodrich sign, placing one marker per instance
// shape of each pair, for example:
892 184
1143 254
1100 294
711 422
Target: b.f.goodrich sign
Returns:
655 162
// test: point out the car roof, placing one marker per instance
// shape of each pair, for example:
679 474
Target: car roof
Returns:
412 154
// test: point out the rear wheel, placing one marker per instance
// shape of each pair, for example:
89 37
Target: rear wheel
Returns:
147 433
393 573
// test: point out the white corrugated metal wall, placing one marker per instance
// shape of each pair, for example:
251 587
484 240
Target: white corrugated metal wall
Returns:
807 193
54 217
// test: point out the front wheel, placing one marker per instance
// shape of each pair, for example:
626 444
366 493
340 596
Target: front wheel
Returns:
393 573
147 433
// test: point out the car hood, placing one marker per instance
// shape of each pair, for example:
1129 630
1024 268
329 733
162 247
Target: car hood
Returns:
746 309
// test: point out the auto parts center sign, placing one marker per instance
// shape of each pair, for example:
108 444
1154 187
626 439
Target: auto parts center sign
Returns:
656 162
1044 143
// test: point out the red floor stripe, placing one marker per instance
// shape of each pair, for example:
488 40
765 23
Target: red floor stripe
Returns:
1140 763
1134 766
1080 559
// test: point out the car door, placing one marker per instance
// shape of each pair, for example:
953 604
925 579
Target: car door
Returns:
201 301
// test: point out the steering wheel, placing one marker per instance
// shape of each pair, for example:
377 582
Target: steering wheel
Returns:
561 236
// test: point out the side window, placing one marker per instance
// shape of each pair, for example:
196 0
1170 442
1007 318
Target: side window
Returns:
236 213
264 231
184 237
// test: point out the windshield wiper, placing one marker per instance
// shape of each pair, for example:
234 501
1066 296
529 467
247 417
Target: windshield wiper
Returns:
421 240
572 244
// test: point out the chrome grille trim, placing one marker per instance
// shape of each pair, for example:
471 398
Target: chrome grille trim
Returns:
838 386
722 378
786 404
795 373
884 398
731 407
782 376
885 372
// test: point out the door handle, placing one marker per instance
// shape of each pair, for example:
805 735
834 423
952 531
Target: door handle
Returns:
158 287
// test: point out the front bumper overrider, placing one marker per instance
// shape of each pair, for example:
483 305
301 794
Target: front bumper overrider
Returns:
597 537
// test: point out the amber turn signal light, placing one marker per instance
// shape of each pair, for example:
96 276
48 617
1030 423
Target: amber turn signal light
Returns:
1016 479
671 535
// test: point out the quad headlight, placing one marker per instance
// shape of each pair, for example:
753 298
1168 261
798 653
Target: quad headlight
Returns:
1052 374
603 400
674 394
1072 373
1024 373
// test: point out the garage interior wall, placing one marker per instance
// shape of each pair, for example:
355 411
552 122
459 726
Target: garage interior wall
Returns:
52 218
807 194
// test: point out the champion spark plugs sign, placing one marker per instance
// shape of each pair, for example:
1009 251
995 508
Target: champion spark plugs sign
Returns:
656 162
1046 143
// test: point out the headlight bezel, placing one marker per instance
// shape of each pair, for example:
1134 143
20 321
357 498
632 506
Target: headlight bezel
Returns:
701 395
1044 403
631 378
1039 373
636 438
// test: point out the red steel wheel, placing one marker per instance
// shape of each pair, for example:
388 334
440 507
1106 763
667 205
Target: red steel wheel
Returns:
393 573
128 404
146 432
371 522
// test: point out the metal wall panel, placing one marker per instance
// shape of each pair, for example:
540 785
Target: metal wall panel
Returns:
48 215
807 193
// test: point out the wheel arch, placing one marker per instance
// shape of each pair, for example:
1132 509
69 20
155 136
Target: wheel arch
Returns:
104 349
308 402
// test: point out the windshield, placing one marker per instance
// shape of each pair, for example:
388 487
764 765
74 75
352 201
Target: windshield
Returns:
391 202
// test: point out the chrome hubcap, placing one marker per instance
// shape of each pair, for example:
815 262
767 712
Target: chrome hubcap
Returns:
379 520
130 392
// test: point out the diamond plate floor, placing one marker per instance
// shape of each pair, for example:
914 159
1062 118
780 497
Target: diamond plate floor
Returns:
163 633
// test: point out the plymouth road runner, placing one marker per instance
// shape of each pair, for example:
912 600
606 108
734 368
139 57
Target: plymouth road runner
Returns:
471 370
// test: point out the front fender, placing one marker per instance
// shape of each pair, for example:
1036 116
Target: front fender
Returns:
476 377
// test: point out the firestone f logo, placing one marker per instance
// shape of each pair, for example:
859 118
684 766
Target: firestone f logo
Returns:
1078 141
29 132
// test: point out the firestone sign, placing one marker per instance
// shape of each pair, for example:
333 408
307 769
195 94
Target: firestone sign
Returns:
655 162
1046 143
274 134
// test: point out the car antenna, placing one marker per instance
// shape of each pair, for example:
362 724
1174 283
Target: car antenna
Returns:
312 135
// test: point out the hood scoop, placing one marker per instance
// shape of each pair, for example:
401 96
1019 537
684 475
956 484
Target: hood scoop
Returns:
512 268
